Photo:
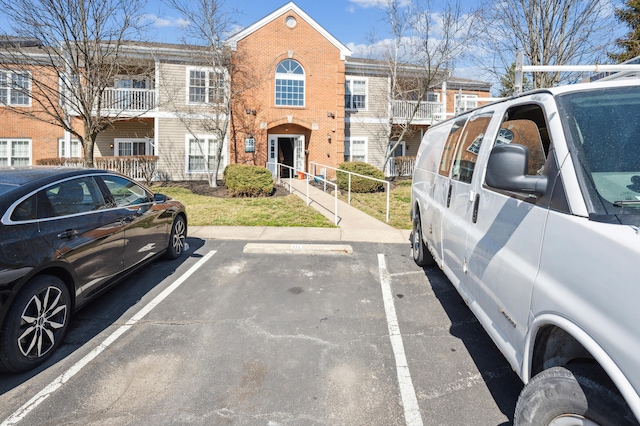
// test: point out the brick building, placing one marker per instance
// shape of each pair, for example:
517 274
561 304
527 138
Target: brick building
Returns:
304 100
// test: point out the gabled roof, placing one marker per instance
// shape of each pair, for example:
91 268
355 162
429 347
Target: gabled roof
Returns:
289 7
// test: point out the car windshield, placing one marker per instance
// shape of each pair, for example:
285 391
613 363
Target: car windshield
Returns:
604 132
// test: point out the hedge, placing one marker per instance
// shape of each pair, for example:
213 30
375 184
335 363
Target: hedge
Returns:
360 184
244 180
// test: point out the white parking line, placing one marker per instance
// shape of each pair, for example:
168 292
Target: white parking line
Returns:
30 405
412 415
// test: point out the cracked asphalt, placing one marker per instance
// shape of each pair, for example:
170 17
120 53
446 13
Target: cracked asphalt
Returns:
284 337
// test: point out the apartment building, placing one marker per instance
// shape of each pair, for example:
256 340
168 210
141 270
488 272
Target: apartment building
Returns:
304 100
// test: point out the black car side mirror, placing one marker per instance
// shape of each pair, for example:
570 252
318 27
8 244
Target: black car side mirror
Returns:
507 170
159 198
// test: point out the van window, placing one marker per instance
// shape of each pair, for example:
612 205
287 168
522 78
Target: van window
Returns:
450 146
526 125
466 154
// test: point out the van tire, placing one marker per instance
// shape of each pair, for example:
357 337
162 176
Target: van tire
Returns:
419 250
579 391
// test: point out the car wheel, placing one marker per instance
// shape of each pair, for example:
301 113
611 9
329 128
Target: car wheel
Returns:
35 324
419 250
177 238
578 395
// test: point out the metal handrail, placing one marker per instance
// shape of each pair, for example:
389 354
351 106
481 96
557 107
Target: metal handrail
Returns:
386 182
294 172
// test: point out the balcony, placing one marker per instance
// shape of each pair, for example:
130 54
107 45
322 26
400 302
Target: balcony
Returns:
129 100
427 113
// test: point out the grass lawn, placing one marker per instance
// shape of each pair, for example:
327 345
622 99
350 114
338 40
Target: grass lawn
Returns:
288 210
376 204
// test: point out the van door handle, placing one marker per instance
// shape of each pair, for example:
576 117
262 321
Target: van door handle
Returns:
449 194
476 204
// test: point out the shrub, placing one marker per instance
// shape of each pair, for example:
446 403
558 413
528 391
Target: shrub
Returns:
360 184
243 180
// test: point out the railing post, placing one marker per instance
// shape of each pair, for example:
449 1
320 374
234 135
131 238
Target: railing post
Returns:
349 189
388 194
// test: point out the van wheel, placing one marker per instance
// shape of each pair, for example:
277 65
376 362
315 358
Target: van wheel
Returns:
419 251
35 324
579 394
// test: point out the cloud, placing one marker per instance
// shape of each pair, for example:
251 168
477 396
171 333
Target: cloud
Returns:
158 22
377 3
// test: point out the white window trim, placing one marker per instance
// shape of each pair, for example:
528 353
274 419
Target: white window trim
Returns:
9 73
225 154
148 145
61 143
465 98
300 77
208 70
10 140
350 80
366 147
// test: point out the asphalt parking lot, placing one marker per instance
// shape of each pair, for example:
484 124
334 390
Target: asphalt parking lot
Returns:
245 333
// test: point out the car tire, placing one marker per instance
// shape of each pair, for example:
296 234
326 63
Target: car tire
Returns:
419 251
35 324
177 238
579 394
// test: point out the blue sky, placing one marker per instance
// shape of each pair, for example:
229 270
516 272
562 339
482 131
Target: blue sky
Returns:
350 21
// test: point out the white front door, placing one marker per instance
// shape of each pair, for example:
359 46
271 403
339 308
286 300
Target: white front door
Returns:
298 154
272 158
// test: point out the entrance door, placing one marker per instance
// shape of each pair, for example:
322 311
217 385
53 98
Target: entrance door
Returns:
288 150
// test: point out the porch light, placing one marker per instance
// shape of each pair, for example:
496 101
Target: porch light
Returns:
329 137
331 115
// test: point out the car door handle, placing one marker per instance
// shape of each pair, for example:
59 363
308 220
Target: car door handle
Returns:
128 219
68 234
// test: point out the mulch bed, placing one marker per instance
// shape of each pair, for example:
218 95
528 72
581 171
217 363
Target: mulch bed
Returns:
201 187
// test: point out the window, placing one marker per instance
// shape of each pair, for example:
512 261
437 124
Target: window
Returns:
15 152
71 197
355 150
126 193
200 153
355 94
290 84
433 97
465 102
466 154
69 150
131 147
206 87
15 88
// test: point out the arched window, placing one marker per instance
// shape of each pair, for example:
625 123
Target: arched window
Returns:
289 83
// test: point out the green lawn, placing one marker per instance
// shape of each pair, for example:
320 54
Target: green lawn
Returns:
376 204
289 210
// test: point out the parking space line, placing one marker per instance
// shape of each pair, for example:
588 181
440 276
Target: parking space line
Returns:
412 415
30 405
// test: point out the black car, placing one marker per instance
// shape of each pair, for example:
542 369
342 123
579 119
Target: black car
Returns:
65 236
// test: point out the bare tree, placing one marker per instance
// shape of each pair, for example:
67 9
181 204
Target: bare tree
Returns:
74 50
204 35
419 57
548 32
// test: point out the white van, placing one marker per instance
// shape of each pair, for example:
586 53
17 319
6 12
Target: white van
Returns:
531 207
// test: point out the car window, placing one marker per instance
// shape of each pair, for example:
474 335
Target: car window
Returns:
125 192
68 197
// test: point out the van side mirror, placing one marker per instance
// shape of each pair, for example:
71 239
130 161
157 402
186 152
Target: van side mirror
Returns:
507 170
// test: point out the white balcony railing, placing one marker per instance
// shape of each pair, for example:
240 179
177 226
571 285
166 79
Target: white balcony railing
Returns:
129 99
427 111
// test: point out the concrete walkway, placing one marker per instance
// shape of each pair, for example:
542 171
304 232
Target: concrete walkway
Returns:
354 225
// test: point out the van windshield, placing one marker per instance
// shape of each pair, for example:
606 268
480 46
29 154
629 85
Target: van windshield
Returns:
603 132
